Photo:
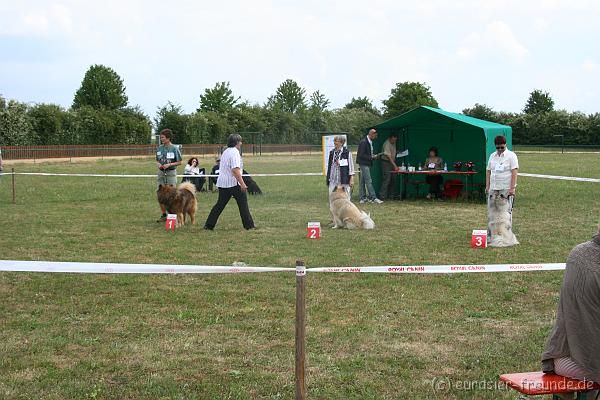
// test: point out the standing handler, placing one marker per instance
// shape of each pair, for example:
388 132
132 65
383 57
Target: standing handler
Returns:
231 184
340 168
364 158
168 157
500 185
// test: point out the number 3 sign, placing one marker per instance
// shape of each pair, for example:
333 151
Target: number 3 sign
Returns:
479 239
314 230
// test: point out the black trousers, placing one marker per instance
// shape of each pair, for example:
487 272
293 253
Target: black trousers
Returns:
225 194
435 183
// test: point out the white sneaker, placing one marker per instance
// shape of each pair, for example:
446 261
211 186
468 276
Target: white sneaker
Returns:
363 201
377 201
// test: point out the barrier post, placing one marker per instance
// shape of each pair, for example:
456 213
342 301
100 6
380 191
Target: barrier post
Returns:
13 185
300 330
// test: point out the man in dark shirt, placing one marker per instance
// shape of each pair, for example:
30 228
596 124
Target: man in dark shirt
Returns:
364 158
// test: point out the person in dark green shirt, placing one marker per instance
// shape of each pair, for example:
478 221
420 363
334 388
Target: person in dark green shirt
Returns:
168 157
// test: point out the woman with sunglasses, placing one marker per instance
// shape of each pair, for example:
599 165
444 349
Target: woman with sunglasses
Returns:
192 168
500 185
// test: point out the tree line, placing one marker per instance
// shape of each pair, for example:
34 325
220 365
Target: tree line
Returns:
101 114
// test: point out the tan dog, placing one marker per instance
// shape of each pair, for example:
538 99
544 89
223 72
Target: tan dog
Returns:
180 201
345 214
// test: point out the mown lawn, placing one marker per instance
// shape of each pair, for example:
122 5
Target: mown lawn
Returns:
232 336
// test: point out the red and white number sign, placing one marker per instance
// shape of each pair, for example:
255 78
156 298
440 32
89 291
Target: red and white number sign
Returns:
479 239
314 230
171 222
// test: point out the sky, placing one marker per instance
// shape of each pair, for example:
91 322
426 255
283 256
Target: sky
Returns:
492 52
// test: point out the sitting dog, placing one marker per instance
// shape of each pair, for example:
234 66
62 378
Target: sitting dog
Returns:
251 183
180 201
500 220
345 214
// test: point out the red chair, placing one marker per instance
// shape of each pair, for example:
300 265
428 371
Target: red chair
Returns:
453 188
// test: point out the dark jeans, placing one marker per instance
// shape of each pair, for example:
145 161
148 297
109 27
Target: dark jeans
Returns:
435 183
225 194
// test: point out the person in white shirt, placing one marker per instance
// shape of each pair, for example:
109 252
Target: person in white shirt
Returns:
192 168
500 185
231 184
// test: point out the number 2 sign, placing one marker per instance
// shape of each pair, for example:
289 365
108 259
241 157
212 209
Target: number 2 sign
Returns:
314 230
479 239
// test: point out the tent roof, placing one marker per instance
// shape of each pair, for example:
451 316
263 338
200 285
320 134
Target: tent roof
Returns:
425 114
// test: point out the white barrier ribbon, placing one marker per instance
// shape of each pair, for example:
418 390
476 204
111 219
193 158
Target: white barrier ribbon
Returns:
114 268
154 176
560 178
445 269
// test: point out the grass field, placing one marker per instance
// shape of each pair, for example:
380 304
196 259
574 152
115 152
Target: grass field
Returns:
232 336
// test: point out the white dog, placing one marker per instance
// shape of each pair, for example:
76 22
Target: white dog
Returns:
500 220
345 214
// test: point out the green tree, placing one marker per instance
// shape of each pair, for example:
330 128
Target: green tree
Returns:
538 102
362 103
15 127
406 96
101 87
219 99
481 111
171 116
47 121
318 101
289 97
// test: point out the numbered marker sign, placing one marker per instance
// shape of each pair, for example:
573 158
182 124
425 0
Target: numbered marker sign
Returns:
171 222
314 230
479 239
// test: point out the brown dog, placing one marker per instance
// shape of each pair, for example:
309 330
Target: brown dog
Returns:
180 201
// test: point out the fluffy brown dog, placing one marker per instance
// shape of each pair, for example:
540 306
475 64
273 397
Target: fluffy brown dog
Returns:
180 201
345 214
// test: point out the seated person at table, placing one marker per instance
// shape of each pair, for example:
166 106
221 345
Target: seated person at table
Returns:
573 348
434 163
192 168
214 171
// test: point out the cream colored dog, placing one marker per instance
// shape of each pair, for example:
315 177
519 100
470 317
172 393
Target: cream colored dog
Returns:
345 214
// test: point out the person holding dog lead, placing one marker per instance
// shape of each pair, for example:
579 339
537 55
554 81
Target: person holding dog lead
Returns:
168 157
340 167
500 185
231 184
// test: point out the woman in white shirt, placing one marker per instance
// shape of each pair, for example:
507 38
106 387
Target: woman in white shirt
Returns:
231 184
192 168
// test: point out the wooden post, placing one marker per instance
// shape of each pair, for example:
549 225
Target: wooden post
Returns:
13 185
300 330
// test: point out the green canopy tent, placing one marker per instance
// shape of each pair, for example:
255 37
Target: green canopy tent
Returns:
457 137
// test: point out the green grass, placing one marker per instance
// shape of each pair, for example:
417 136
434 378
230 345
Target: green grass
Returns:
232 336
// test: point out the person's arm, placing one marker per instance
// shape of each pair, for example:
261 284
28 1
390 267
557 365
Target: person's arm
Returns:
237 174
513 181
488 174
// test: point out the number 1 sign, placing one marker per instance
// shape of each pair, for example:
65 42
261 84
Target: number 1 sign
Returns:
479 239
171 222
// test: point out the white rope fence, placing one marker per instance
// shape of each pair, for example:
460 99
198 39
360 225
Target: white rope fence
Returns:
116 268
154 176
555 177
